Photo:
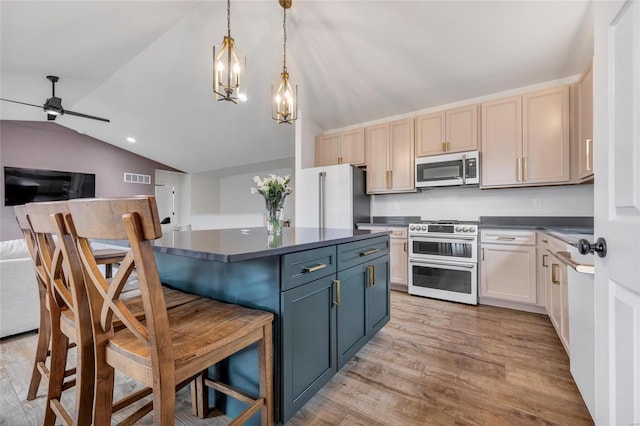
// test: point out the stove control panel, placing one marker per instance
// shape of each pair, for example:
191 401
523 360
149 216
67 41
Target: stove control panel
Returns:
442 228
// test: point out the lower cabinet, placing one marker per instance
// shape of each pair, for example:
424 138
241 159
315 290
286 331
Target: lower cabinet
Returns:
558 287
308 341
508 266
325 322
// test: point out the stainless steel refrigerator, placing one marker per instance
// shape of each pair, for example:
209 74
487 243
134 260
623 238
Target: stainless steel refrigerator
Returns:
331 197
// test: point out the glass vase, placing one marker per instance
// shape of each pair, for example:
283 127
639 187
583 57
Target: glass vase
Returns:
274 219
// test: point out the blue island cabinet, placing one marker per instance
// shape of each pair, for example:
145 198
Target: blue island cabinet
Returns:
329 296
326 321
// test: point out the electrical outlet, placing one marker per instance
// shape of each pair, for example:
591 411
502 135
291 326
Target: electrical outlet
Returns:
396 205
537 203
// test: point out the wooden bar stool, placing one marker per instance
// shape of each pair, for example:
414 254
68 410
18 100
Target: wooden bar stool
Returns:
69 313
106 257
168 347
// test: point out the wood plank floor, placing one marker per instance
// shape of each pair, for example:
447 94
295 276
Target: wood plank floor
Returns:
434 363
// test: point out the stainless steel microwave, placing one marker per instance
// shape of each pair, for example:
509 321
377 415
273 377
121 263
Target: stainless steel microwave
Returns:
461 168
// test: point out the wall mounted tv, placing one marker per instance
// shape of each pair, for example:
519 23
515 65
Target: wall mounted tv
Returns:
28 185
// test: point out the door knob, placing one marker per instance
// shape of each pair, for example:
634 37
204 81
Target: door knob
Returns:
599 247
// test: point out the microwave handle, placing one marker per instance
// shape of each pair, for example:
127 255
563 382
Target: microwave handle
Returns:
464 169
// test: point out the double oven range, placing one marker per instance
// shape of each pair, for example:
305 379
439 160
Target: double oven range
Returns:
443 260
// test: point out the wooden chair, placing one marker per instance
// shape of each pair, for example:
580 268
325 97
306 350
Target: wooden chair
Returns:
107 257
168 347
69 312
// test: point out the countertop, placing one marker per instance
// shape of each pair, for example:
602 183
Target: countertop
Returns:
234 245
569 229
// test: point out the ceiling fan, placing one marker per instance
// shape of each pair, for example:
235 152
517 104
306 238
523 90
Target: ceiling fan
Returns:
53 105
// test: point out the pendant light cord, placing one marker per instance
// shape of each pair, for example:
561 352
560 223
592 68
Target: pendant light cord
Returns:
284 47
229 18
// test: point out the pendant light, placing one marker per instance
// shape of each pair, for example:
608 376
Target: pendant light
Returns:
284 101
229 68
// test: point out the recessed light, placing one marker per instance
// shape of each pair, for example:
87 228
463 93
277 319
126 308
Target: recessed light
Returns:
130 139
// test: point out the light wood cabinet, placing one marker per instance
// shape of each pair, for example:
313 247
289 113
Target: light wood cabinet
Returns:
508 269
327 150
525 139
454 130
390 157
557 287
340 148
585 124
398 254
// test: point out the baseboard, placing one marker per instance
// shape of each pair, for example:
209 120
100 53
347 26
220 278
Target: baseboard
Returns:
513 305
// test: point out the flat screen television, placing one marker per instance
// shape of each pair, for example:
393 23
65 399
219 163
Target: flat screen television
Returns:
28 185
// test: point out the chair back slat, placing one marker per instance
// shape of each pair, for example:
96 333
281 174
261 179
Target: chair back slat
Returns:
32 244
136 220
106 220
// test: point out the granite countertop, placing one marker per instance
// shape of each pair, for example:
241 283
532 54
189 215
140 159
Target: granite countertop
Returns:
234 245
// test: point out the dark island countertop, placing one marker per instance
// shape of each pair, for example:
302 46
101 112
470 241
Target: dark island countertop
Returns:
238 244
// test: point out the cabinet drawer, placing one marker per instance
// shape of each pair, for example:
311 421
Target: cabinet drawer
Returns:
305 266
508 236
351 254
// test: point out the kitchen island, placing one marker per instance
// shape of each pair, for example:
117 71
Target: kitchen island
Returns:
328 289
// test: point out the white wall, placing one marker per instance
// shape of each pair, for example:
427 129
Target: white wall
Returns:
217 196
471 203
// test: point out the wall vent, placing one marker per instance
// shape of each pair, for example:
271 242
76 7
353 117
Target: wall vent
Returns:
136 178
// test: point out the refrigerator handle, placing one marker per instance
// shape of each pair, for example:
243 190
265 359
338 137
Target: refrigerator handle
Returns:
321 178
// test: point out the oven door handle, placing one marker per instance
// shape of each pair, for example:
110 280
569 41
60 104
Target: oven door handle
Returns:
442 264
441 239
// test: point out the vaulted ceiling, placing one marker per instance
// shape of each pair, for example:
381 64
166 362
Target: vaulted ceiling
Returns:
147 65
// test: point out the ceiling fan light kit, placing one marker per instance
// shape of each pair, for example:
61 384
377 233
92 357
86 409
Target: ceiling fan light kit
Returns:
53 106
284 98
229 68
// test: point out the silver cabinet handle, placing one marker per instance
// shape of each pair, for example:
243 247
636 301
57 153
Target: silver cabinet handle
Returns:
319 266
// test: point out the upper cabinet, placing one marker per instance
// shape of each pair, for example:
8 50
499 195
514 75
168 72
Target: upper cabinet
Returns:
525 139
390 157
339 148
585 123
454 130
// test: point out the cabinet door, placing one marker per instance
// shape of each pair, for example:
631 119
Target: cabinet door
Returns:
352 312
308 341
377 144
501 141
541 286
378 303
401 156
430 134
352 147
508 272
462 129
545 136
327 150
398 260
585 124
564 306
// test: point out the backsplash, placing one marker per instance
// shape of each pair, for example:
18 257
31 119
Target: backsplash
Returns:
471 203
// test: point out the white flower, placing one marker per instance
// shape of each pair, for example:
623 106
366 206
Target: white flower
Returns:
253 190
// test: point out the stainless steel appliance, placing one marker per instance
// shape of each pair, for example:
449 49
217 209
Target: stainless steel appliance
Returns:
460 168
443 260
331 197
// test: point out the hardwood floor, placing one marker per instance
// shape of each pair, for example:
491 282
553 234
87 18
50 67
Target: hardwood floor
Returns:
434 363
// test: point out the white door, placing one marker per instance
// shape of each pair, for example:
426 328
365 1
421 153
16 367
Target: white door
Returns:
165 199
617 211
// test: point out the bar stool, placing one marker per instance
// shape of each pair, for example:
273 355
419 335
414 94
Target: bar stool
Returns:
107 257
168 348
69 312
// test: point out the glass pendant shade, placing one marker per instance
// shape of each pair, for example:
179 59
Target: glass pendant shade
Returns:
284 101
229 72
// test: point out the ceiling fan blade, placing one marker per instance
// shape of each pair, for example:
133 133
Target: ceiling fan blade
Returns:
51 117
22 103
79 114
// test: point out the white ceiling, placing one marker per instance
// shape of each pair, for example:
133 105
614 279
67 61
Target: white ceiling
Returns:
146 65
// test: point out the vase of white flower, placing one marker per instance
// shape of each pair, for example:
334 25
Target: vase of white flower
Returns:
275 190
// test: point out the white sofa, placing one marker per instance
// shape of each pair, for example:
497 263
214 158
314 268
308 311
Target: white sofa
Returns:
19 304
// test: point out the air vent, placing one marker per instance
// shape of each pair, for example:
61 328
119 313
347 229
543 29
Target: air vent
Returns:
136 178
